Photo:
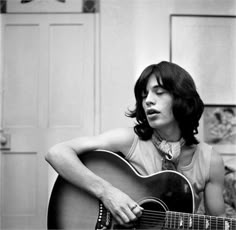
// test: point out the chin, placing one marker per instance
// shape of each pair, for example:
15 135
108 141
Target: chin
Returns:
156 125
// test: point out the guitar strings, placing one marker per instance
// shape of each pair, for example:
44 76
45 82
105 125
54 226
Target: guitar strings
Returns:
154 217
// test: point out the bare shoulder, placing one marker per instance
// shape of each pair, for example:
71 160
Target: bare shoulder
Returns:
217 166
214 188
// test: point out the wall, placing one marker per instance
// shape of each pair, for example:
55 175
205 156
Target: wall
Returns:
134 34
1 67
1 72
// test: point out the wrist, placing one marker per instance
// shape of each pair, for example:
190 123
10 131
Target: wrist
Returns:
100 189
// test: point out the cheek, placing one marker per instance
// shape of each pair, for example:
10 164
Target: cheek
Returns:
169 109
169 113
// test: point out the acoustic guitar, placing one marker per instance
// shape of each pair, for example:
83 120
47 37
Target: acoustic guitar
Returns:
167 198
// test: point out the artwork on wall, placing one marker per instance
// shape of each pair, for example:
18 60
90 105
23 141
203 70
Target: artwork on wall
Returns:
219 127
220 124
205 46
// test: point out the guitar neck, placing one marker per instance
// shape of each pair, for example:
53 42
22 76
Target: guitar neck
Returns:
177 220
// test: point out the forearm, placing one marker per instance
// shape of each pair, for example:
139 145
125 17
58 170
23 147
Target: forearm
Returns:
66 162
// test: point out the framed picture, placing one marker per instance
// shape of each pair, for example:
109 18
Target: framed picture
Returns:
219 127
220 124
205 46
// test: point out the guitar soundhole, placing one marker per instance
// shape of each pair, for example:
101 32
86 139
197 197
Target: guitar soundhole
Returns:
153 216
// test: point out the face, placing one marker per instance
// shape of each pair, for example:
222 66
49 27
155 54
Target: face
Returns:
157 104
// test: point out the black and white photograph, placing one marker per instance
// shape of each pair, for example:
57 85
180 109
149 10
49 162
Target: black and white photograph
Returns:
117 114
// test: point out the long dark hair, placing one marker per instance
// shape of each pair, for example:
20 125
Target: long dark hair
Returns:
187 104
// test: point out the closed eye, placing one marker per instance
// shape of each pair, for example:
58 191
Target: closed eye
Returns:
159 90
160 93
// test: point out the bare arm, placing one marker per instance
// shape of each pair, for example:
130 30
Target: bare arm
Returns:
63 158
214 190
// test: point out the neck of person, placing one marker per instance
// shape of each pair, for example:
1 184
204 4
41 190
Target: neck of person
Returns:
171 133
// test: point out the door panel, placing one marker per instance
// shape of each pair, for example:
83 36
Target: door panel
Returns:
48 84
68 60
22 72
19 189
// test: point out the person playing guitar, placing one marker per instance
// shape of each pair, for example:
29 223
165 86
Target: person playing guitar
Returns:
167 112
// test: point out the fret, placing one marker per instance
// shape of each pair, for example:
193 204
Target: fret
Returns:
168 220
220 222
207 223
173 220
198 221
229 223
195 221
181 221
201 222
226 223
213 222
233 224
190 221
177 220
180 224
186 221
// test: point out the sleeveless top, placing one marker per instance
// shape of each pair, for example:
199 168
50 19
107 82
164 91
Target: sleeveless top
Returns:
144 157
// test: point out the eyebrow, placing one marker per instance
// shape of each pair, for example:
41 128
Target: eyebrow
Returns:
155 87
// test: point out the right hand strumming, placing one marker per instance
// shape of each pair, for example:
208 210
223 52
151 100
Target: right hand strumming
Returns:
122 207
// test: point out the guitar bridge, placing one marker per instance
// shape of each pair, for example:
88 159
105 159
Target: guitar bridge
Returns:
104 220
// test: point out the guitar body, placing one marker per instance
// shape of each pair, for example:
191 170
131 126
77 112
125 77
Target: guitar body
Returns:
72 208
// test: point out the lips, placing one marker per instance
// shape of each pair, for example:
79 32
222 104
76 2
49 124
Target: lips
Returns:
151 112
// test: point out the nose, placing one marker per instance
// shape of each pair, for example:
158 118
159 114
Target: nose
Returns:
150 100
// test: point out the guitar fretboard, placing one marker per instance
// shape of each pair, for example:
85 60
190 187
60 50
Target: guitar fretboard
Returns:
176 220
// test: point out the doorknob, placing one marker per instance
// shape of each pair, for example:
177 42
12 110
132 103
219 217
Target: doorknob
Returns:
4 140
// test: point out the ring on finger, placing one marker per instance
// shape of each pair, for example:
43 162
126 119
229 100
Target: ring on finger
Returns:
135 206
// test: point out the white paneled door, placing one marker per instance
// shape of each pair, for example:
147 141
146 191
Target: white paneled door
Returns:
48 96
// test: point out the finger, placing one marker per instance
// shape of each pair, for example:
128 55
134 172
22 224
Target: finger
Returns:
138 213
136 210
134 206
131 215
133 212
123 218
119 220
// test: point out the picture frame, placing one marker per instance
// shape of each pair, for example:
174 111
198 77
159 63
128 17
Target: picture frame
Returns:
219 125
204 45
